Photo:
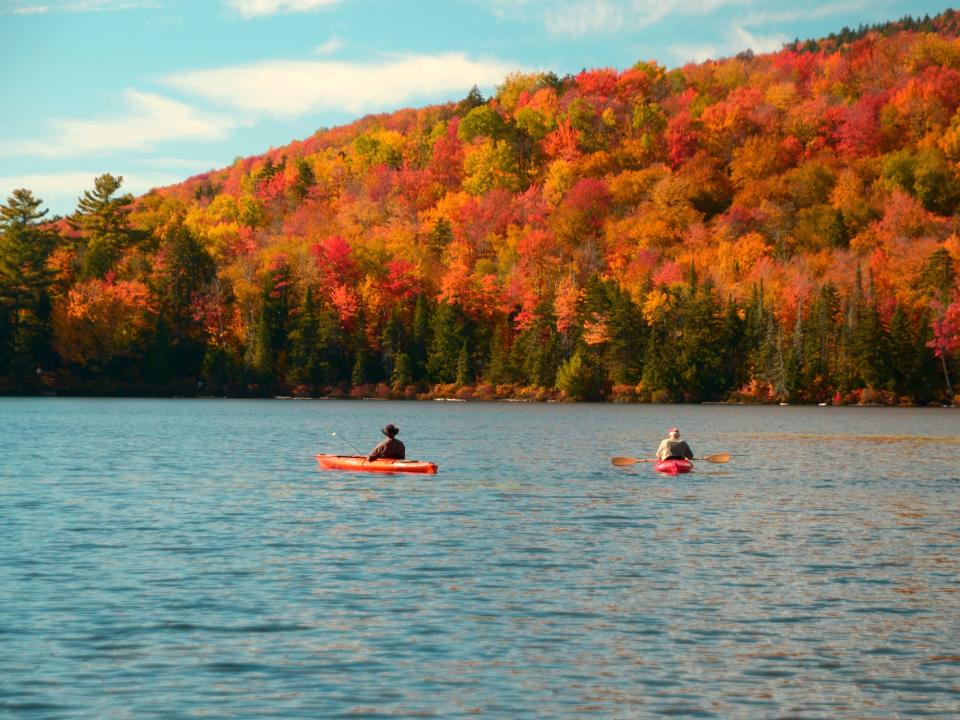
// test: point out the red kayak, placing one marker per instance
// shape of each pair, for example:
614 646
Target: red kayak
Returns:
358 463
673 466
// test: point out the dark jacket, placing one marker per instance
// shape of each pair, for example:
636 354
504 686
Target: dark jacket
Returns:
389 449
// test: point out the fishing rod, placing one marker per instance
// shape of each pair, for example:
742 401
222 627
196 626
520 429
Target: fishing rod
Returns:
334 434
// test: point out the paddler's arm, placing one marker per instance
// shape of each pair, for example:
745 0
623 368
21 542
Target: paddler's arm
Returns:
377 451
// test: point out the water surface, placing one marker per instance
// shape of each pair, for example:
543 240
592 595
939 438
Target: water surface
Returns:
185 558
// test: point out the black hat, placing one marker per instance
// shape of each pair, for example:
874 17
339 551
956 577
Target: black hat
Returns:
390 430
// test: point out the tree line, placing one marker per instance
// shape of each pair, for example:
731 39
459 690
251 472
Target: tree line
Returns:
767 228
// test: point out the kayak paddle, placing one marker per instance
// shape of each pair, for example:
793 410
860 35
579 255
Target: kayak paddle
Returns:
620 461
716 458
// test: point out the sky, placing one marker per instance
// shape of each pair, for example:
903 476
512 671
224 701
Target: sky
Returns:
160 90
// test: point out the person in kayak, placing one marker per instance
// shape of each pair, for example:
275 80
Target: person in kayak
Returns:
673 448
391 448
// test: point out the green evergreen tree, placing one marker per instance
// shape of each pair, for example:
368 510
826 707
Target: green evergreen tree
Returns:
25 283
440 236
905 353
700 346
473 99
186 271
822 336
498 369
579 378
869 343
267 348
363 371
304 340
536 351
938 281
392 341
446 344
421 338
793 360
623 358
401 376
734 330
751 347
464 376
658 358
305 181
774 360
101 218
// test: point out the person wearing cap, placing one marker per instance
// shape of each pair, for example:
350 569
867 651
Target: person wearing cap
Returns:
391 448
673 448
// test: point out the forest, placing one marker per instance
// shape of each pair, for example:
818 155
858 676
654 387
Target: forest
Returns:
760 228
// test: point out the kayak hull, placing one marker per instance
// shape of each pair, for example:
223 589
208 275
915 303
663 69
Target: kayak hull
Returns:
358 463
673 467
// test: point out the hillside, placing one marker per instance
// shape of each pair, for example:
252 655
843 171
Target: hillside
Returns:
778 227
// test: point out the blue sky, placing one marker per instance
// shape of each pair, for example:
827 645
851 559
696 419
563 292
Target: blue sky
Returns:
159 90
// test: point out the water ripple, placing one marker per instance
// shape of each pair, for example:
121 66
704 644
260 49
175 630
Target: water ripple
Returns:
185 558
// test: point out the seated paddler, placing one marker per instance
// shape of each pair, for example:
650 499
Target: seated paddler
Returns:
390 448
673 448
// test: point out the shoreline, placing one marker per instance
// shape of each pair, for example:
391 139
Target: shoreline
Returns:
450 393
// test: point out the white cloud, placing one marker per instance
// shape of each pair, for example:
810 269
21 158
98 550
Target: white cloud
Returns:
59 190
258 8
742 39
330 46
693 53
587 18
793 14
72 6
176 163
579 18
151 119
738 39
291 88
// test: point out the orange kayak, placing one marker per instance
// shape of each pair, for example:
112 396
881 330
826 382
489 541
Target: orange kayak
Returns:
358 463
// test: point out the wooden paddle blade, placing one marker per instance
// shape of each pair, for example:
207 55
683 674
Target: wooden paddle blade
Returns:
717 458
620 461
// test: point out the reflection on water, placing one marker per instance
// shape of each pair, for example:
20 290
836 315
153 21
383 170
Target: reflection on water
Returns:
851 438
186 558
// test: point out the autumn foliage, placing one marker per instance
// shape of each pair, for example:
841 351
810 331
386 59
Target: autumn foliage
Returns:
762 228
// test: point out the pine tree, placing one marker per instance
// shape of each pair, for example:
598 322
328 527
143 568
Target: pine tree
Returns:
869 343
401 373
700 346
304 341
463 366
421 338
305 181
498 369
392 341
624 355
101 217
657 359
536 350
24 286
363 371
186 271
446 344
267 347
822 352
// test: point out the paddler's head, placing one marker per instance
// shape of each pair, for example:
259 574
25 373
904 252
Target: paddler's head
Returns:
390 430
673 433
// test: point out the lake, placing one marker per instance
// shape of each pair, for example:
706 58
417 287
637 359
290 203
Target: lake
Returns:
186 558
